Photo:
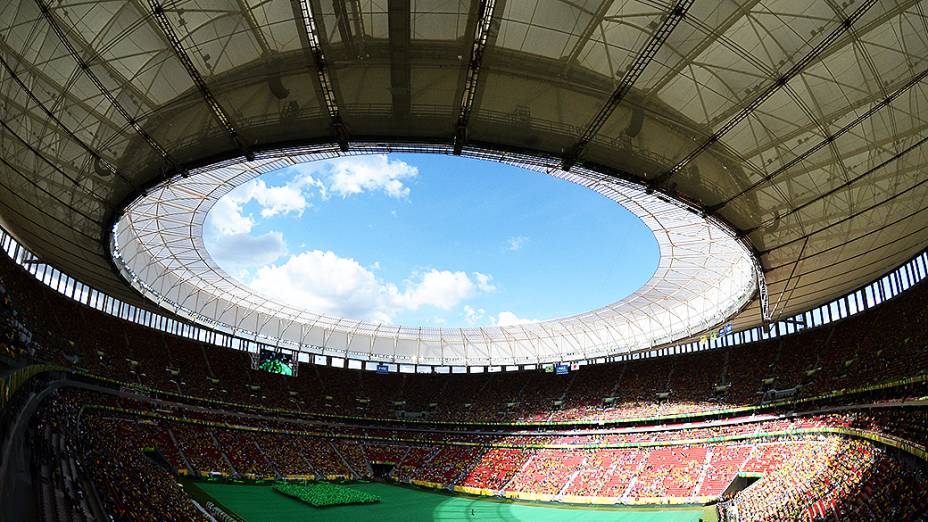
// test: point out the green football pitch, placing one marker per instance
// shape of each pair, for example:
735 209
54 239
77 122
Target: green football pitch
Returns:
403 504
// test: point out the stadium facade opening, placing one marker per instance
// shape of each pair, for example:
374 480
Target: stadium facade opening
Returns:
704 276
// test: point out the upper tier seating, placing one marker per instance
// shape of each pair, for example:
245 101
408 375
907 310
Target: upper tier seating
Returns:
859 351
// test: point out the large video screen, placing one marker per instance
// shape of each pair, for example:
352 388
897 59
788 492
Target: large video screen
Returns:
277 362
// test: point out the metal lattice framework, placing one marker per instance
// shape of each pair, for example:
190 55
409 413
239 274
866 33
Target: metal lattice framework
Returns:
801 124
704 276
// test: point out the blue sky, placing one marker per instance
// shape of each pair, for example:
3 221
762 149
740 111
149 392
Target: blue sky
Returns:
429 240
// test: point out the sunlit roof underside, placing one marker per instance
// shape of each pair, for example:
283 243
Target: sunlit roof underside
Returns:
801 124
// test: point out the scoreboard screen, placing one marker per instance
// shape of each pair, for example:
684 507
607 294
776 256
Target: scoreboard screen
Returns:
276 362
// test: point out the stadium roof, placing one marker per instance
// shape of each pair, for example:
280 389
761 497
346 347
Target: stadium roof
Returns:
799 124
703 277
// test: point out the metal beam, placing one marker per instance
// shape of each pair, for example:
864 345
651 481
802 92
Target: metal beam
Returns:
307 27
644 57
842 186
771 89
587 33
344 26
350 26
845 40
85 67
762 295
255 29
357 22
827 141
810 126
93 58
718 33
65 93
398 22
481 35
102 165
218 112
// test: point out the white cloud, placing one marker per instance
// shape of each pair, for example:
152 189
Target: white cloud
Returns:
440 288
473 315
225 218
516 243
355 175
484 282
511 319
227 232
321 281
326 283
227 215
278 200
238 251
345 176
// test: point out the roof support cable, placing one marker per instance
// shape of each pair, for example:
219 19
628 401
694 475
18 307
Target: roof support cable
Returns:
792 272
274 81
668 23
715 35
322 74
595 22
92 55
834 190
157 10
255 28
102 166
86 68
38 75
481 36
770 90
828 139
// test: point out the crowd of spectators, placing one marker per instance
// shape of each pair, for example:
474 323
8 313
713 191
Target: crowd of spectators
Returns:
385 453
724 463
834 478
353 455
85 464
245 456
15 337
863 350
201 449
606 473
496 467
131 451
134 487
59 478
547 471
286 455
413 461
132 457
670 472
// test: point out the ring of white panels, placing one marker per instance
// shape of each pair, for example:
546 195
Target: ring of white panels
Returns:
704 276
